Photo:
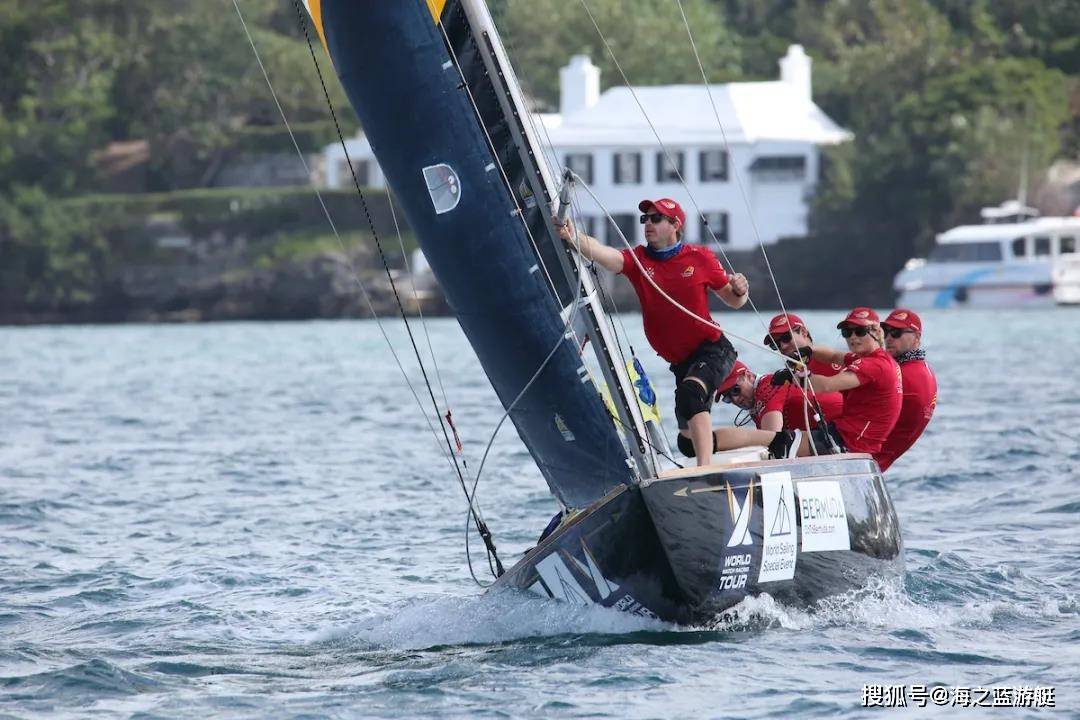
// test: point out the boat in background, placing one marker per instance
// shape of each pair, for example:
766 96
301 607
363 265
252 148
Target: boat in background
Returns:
1008 261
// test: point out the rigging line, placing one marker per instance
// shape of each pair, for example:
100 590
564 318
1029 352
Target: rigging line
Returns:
667 153
337 235
419 309
567 327
481 526
495 155
742 190
691 313
618 346
727 148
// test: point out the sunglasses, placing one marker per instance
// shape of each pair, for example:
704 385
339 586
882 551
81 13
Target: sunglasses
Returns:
730 394
895 333
779 339
856 331
654 218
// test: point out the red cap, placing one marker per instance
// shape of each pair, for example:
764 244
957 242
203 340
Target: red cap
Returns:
783 323
729 382
862 316
904 319
666 207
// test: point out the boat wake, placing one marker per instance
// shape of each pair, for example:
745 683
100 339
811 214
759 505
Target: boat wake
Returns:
886 604
483 620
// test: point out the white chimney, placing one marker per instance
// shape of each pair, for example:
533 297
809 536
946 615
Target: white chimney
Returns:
579 85
795 70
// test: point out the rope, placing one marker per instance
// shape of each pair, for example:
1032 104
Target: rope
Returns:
341 244
753 222
481 526
667 154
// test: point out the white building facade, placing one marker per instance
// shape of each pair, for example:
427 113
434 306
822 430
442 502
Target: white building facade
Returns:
767 141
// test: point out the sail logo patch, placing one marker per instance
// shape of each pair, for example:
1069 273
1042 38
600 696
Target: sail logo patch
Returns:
824 516
778 544
443 187
689 271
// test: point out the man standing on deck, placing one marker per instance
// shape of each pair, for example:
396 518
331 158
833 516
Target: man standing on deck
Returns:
903 335
667 273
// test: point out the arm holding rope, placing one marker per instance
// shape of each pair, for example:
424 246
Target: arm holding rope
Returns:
829 355
589 247
845 380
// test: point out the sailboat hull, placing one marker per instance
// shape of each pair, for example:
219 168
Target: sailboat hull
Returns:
687 547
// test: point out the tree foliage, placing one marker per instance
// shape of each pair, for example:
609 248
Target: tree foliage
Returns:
647 38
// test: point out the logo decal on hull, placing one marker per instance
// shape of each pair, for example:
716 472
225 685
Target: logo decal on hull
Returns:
824 517
735 568
740 516
778 543
558 581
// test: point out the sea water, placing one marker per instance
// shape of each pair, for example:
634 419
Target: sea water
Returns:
259 520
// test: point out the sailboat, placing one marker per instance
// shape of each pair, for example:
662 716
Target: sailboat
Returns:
434 90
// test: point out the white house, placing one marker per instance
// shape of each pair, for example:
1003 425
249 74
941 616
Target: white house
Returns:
768 138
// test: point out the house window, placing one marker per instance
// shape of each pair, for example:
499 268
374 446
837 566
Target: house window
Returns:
628 224
362 169
580 164
779 167
587 224
627 170
714 223
669 170
714 165
1068 245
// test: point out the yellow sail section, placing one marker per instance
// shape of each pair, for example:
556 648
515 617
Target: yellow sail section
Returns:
315 8
436 6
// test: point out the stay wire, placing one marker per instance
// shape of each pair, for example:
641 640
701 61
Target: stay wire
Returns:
749 212
481 526
341 244
667 154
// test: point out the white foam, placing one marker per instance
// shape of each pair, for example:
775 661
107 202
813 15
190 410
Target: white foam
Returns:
484 619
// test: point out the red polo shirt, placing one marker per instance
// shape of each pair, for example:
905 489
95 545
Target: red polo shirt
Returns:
788 400
919 401
820 367
686 278
871 409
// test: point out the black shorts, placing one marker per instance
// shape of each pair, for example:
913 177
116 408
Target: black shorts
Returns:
711 362
825 439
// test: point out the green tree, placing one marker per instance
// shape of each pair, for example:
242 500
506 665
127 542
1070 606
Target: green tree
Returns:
648 39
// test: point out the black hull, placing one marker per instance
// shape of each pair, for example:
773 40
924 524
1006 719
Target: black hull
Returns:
689 546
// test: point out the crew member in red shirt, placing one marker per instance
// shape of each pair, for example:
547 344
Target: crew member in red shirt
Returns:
903 335
699 354
774 407
869 383
788 334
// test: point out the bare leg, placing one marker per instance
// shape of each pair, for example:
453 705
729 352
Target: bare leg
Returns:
731 438
700 429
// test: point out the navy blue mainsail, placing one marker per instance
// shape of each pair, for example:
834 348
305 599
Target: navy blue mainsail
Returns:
448 155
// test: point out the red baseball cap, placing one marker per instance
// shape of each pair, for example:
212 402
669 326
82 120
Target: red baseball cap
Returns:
904 319
729 382
862 316
666 207
782 323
